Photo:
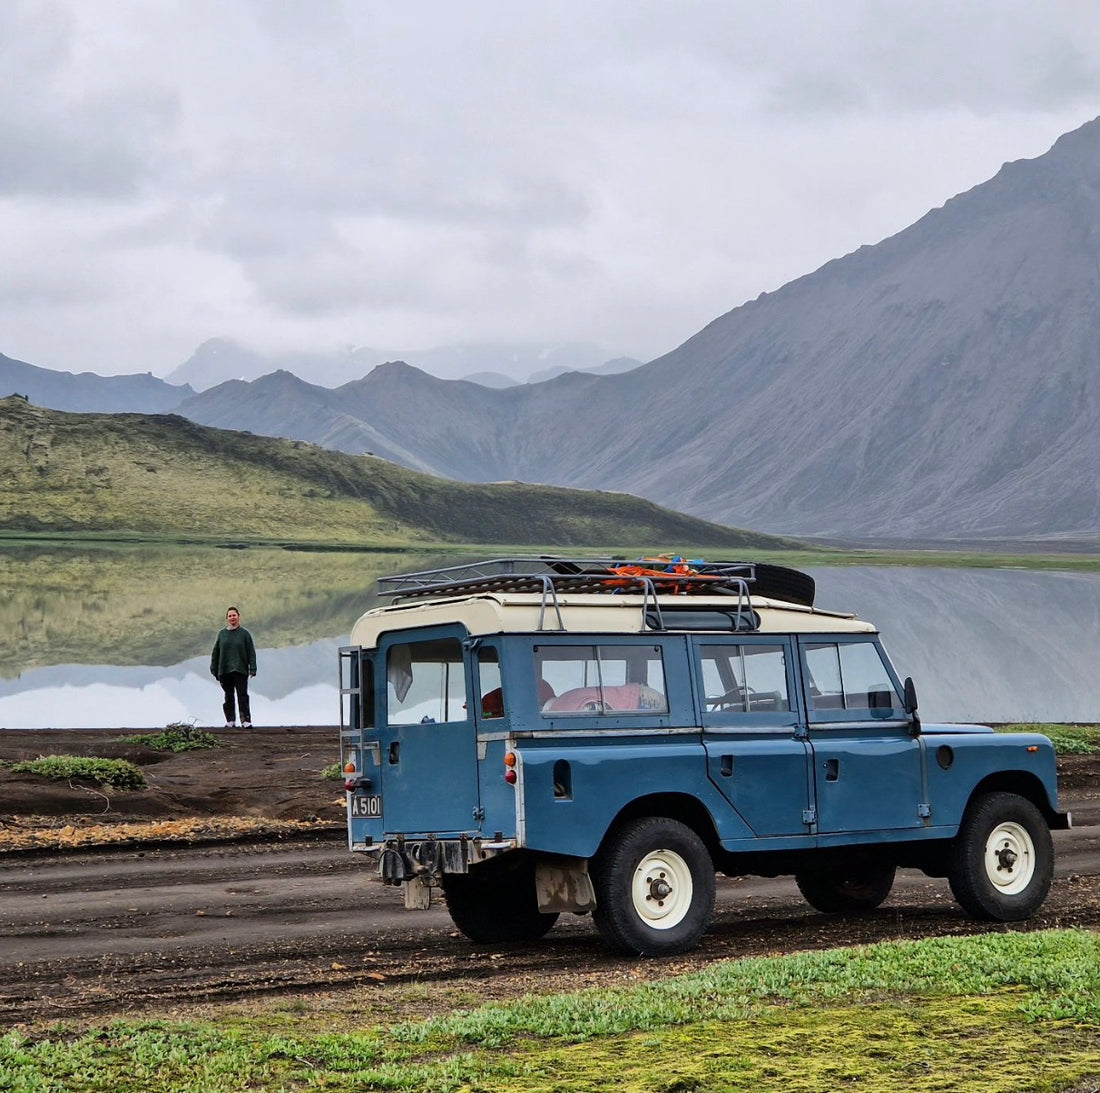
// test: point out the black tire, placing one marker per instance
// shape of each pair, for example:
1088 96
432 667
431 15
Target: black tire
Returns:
1002 859
654 888
493 905
847 888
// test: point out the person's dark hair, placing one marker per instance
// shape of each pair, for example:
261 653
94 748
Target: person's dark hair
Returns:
232 608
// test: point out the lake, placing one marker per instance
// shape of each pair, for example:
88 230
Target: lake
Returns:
121 637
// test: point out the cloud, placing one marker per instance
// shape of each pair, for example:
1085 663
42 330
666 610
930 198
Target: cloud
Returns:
302 175
65 138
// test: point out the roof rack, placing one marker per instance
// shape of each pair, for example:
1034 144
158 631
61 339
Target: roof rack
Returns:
548 576
599 575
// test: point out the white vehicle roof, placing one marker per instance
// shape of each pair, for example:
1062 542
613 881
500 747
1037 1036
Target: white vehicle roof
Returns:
593 596
586 613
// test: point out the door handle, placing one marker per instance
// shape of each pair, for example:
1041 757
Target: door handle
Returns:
395 753
832 770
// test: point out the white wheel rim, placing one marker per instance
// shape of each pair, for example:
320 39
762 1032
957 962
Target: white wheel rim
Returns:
662 889
1009 858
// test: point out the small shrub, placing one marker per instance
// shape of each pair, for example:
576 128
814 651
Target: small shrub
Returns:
176 737
333 770
116 773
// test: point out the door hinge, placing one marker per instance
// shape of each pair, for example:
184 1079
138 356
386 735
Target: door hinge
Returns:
809 816
479 813
924 811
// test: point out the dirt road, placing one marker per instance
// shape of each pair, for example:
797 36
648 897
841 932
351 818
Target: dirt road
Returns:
142 930
155 926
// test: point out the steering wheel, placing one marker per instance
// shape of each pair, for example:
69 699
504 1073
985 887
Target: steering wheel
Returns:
734 696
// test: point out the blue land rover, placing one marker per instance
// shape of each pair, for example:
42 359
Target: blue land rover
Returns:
533 736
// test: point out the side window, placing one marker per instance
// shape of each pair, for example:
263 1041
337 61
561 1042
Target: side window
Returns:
600 680
488 672
365 699
357 698
425 682
745 678
850 676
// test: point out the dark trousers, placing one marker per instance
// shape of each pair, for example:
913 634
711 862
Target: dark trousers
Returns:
235 683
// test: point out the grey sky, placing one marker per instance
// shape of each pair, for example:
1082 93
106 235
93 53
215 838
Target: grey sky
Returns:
312 174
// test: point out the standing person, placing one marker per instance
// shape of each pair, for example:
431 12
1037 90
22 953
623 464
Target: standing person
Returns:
232 664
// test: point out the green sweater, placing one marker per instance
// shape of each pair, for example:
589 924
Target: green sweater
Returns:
233 652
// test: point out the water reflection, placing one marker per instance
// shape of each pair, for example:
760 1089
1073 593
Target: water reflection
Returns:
121 636
982 644
296 685
110 640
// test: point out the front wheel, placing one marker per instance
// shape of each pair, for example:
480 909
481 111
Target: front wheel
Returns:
1003 858
654 888
847 887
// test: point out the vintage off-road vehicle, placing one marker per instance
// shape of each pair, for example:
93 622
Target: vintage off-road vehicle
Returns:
535 736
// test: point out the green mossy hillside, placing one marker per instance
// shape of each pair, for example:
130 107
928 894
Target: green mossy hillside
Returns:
162 475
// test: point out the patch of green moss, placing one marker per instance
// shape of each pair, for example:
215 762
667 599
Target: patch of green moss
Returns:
1067 739
115 773
177 737
968 1045
1000 1013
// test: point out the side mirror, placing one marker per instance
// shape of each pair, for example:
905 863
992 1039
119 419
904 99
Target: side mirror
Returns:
911 705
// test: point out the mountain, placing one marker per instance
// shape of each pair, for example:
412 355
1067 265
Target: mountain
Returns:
608 368
942 383
142 393
490 379
162 475
221 359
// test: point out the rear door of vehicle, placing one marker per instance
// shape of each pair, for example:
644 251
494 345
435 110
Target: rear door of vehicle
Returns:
427 734
867 766
757 754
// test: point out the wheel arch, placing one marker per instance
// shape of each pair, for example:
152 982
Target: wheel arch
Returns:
1024 784
689 810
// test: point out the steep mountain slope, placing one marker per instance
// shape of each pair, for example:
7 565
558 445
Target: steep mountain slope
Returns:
165 475
941 383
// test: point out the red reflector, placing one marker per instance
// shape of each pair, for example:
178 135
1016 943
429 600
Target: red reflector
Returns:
1033 747
511 777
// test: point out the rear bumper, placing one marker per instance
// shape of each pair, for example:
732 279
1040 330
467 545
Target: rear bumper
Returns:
400 860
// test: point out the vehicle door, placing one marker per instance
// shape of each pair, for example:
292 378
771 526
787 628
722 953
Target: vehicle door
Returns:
867 765
426 729
755 744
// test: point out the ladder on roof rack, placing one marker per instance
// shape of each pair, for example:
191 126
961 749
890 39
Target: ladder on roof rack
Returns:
548 575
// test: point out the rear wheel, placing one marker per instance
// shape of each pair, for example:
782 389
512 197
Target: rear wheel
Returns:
1002 862
654 888
847 887
493 904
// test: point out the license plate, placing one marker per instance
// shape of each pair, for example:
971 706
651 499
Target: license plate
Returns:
368 806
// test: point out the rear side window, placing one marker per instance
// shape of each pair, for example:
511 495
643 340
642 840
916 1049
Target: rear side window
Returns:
744 678
600 680
425 682
850 676
492 690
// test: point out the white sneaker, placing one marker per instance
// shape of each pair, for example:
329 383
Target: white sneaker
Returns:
246 724
231 724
